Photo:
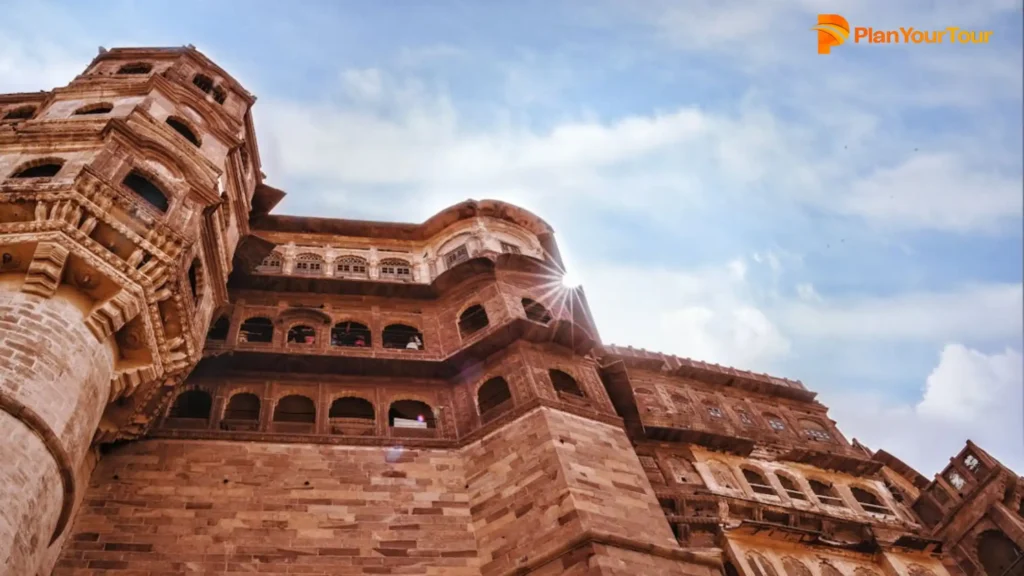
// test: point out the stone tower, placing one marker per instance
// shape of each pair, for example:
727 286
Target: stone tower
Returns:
122 199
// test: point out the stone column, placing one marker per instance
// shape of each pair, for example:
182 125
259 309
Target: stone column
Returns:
54 384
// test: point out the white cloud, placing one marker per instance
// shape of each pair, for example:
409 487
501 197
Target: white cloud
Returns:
708 314
980 312
936 191
968 395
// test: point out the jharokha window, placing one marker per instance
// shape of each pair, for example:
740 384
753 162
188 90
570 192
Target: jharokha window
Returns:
455 256
956 480
972 463
309 264
775 422
351 267
510 248
816 431
395 269
826 494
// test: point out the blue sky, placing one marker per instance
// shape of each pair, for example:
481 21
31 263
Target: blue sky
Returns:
722 191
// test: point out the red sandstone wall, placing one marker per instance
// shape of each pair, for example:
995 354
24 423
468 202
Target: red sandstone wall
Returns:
162 507
551 476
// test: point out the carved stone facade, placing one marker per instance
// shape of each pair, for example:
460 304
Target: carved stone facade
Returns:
191 384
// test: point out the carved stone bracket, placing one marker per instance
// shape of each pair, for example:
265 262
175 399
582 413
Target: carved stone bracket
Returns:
113 314
45 270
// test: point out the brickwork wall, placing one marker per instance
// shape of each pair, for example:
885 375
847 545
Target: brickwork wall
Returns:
554 473
51 364
163 507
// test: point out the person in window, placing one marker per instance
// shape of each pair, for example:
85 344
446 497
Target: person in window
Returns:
414 343
360 342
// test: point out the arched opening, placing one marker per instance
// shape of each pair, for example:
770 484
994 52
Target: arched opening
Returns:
395 269
351 267
869 501
95 109
272 264
411 414
351 334
758 483
352 416
146 190
295 408
472 319
203 82
402 336
257 329
815 431
759 565
20 113
791 487
309 264
997 554
135 68
193 280
793 567
775 422
828 569
352 407
193 404
493 398
826 494
181 128
244 407
565 384
536 311
219 329
301 334
46 169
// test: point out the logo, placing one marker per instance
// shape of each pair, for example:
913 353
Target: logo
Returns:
833 30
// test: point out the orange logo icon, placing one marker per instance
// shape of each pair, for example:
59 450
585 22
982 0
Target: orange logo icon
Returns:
833 30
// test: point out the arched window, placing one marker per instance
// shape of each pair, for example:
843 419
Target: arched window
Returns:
95 109
793 567
957 481
395 269
148 191
193 279
826 494
775 422
256 330
714 411
20 113
352 407
243 406
492 397
411 414
402 336
760 565
309 264
192 404
351 267
135 68
351 334
758 483
536 311
827 569
272 263
509 248
565 383
219 329
472 319
455 256
998 553
815 431
203 82
301 334
40 169
791 487
744 417
295 408
869 501
180 127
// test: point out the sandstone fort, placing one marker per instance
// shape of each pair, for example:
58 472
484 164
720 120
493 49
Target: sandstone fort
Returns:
193 384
